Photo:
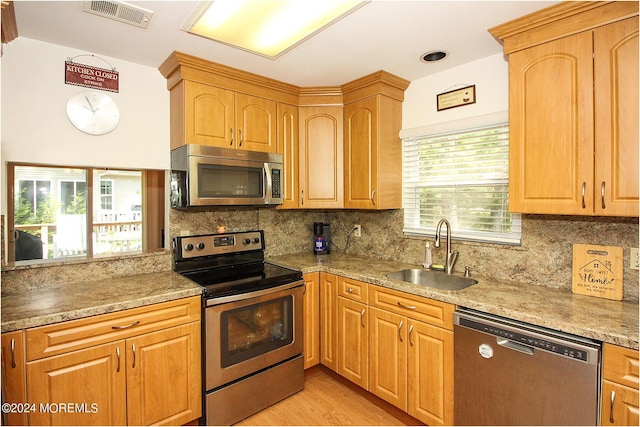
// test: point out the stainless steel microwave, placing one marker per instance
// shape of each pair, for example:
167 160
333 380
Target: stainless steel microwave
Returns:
212 176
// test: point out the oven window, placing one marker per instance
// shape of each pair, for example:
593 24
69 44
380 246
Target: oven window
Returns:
256 329
228 181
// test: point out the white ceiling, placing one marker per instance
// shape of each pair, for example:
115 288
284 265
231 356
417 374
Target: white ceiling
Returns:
382 35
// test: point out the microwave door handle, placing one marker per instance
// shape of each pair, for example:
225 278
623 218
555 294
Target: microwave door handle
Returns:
269 186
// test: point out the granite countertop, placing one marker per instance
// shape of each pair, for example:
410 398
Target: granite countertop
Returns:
605 320
28 307
615 322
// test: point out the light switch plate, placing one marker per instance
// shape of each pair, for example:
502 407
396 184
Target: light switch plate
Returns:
634 261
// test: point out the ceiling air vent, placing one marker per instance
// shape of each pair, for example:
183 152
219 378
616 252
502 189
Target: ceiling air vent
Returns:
119 11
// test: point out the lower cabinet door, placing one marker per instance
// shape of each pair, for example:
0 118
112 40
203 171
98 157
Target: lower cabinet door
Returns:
619 405
84 387
388 356
430 374
353 342
311 320
13 377
163 376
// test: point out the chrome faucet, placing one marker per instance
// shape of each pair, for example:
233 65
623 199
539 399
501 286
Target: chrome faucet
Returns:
451 256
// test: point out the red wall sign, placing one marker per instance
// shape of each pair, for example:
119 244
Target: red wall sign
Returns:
93 77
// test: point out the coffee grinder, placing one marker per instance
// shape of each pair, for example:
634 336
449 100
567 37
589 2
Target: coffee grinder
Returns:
321 238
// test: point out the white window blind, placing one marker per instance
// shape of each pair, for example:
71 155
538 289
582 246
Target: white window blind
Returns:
462 176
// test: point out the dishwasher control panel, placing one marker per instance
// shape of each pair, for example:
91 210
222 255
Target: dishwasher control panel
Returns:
529 335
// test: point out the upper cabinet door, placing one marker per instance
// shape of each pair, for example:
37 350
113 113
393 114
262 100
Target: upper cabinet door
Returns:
288 147
321 157
208 115
256 123
373 154
551 127
360 153
616 112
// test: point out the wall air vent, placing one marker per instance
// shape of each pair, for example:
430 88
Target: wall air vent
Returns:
119 11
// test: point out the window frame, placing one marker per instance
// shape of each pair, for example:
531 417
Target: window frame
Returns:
438 132
153 183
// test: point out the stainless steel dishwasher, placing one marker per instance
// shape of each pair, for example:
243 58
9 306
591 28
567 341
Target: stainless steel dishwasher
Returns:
512 373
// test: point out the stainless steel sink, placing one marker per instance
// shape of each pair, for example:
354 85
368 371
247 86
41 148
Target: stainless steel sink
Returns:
432 279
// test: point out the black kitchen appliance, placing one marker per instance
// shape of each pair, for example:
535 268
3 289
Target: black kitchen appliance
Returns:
252 324
321 238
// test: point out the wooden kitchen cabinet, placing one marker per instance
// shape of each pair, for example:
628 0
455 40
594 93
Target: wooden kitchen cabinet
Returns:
287 141
329 320
373 154
208 115
311 320
94 378
411 346
573 126
213 104
619 386
430 373
163 376
13 377
353 340
139 366
320 179
372 146
388 356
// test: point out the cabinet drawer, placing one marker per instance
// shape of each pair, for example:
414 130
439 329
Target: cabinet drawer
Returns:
63 337
353 289
620 365
430 311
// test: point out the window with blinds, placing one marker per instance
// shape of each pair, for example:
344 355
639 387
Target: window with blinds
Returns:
462 176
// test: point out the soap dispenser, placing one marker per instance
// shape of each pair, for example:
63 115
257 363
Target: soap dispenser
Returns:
427 256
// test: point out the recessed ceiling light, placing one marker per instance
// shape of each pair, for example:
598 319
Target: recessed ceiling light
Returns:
268 28
433 56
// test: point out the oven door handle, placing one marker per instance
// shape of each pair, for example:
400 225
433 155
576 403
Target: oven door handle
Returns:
249 295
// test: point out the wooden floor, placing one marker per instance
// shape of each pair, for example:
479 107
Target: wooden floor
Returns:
330 400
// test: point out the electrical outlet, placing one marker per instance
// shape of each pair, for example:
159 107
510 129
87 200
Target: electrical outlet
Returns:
634 262
358 230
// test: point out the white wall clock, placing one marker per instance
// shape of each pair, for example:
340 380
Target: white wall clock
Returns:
93 112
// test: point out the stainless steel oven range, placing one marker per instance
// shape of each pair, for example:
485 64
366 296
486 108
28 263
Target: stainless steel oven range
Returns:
251 323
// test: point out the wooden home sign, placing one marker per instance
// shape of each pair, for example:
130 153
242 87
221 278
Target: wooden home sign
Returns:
597 271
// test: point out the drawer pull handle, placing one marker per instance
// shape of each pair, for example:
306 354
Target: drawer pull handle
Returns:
584 189
613 399
408 307
400 330
240 137
410 332
13 353
602 195
133 348
118 356
350 290
373 197
362 317
137 322
231 133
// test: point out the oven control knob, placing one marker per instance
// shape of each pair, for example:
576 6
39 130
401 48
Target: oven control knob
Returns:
200 246
188 247
256 240
246 241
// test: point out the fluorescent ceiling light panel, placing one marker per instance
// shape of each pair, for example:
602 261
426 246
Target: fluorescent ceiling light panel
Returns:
266 27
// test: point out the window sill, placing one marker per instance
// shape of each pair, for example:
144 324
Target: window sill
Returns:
36 264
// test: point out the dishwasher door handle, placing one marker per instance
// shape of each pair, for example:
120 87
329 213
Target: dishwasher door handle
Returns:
515 346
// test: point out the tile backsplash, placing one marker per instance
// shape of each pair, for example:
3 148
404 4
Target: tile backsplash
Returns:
544 258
